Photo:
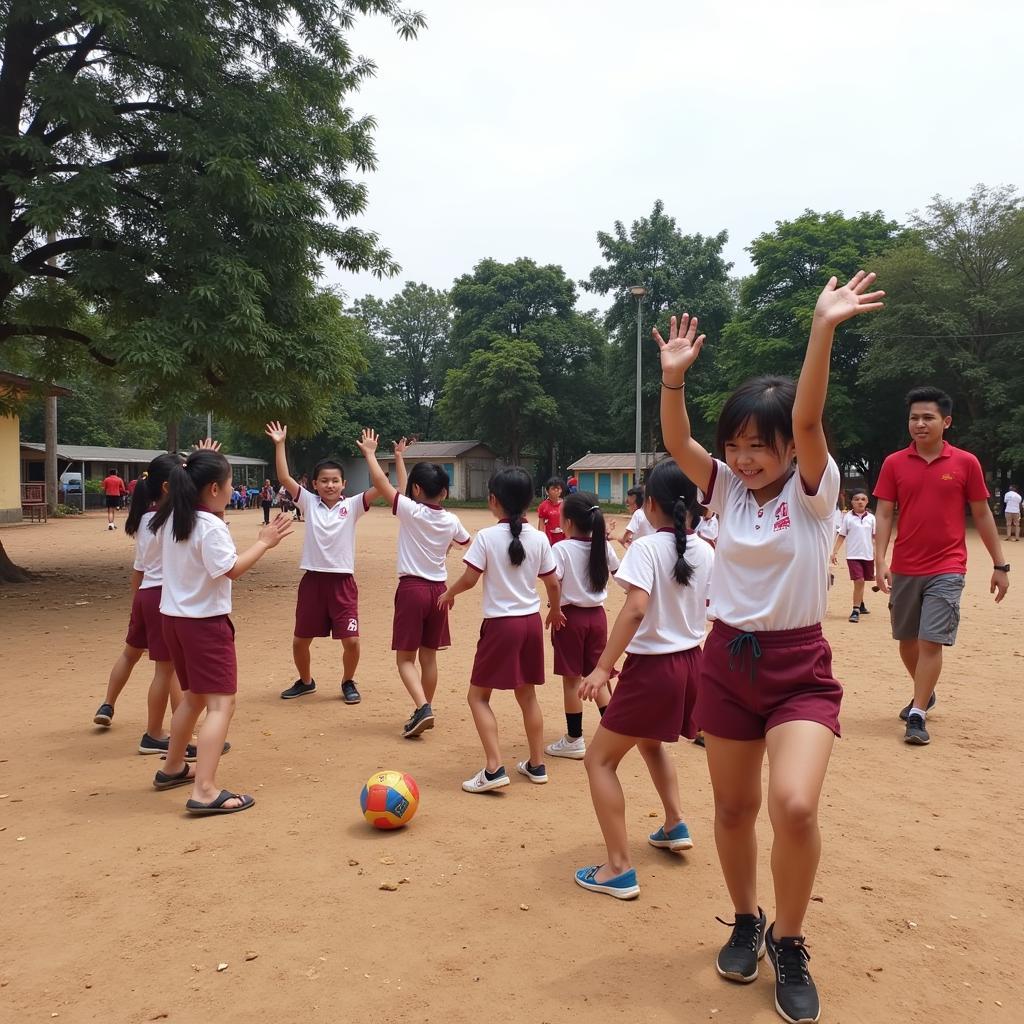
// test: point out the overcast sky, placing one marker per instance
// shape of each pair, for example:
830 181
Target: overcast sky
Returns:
521 129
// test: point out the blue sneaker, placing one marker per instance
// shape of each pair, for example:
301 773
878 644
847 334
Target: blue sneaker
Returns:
677 838
622 887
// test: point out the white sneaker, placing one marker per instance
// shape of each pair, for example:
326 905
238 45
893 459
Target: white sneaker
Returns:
535 773
565 747
481 784
111 526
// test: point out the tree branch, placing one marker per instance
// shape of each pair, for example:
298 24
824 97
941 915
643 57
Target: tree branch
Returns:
143 158
31 262
50 331
75 64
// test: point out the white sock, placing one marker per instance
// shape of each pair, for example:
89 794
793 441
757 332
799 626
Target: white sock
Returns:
918 711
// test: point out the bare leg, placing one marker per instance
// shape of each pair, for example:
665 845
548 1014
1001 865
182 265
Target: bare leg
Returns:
908 655
926 675
183 723
163 687
858 593
798 755
406 661
533 721
570 695
735 769
220 707
349 657
606 750
300 653
428 672
126 661
663 775
486 724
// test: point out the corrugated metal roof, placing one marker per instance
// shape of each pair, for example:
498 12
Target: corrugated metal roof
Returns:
615 460
15 382
436 450
78 452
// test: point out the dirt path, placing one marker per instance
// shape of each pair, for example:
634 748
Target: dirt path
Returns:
117 907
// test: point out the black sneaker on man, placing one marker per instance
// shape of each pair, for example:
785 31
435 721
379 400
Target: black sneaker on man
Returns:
420 720
298 689
350 692
737 959
906 711
796 998
916 733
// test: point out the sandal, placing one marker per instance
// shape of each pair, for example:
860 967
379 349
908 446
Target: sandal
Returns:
217 806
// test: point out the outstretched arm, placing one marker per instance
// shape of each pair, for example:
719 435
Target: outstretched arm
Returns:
626 624
367 444
278 432
269 537
467 581
678 354
834 306
401 473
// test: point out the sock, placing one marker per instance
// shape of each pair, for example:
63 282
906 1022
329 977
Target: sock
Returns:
601 711
918 711
493 775
574 724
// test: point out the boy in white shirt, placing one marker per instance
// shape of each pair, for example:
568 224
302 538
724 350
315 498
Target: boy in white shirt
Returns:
857 528
328 598
1011 509
639 525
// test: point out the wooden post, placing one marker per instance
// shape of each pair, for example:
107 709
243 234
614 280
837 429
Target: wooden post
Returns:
51 454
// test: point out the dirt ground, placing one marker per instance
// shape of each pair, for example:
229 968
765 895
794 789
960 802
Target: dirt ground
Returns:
116 906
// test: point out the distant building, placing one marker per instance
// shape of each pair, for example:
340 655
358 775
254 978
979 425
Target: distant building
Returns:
469 465
610 474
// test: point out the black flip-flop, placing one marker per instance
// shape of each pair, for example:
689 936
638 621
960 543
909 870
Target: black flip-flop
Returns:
164 781
217 806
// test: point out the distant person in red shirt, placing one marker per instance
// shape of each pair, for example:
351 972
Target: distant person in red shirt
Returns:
931 482
115 490
573 484
549 512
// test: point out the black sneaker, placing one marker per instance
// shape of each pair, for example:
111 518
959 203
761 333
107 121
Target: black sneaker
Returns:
906 711
151 745
863 610
350 692
192 753
796 998
421 720
298 689
104 714
916 733
855 615
737 959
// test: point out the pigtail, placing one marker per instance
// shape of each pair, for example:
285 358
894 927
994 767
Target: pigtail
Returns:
149 490
137 509
680 522
676 495
516 551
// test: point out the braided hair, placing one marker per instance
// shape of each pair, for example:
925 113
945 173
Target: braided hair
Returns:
676 495
513 491
582 510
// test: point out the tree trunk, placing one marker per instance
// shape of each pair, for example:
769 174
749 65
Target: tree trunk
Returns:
172 436
9 572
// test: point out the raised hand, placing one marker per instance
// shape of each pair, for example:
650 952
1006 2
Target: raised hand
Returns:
400 445
277 432
276 530
837 304
680 352
368 442
208 444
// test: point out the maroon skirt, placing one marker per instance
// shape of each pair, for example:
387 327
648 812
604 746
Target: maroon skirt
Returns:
581 641
509 653
655 696
418 621
146 625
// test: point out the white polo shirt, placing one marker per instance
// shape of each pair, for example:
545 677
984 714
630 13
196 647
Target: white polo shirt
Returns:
195 586
149 559
425 533
1011 503
330 541
772 560
572 557
859 532
510 589
676 615
708 529
640 525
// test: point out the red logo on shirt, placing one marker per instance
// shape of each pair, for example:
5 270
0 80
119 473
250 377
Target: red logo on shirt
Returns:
782 521
342 509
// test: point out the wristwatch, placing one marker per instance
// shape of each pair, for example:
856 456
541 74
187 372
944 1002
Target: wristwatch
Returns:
1002 568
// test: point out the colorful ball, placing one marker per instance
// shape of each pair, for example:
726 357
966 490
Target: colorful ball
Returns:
389 799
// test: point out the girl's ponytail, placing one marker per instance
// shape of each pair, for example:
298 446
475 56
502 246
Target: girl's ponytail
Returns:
583 511
676 495
184 482
513 490
149 490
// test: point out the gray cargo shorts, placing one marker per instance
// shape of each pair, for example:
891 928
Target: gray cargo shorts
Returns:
926 607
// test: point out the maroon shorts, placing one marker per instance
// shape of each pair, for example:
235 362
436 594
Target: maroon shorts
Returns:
861 568
655 696
146 625
203 652
327 605
418 621
580 642
752 682
509 653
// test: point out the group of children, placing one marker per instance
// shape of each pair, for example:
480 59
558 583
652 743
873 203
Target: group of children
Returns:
762 682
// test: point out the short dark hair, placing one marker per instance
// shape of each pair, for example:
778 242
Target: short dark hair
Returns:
329 463
767 403
927 393
430 478
111 472
555 481
858 490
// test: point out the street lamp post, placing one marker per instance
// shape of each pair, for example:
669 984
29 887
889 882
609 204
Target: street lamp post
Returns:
638 291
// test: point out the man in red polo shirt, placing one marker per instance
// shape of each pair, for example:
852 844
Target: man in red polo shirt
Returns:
114 490
931 482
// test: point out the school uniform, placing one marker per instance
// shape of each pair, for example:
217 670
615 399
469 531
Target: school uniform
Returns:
328 599
425 533
145 626
766 661
640 525
579 643
510 651
707 529
196 605
859 531
655 695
